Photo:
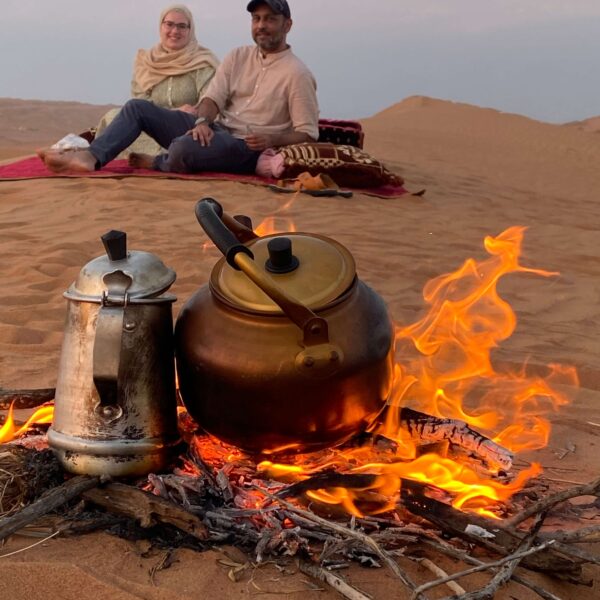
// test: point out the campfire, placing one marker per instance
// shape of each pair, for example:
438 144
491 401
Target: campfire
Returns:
437 463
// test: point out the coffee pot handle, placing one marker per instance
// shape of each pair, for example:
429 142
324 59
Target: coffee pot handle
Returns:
107 358
212 219
108 344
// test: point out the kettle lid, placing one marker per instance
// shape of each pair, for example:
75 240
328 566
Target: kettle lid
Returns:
311 268
149 275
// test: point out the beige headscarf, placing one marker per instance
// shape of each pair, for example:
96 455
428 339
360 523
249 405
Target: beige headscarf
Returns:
154 65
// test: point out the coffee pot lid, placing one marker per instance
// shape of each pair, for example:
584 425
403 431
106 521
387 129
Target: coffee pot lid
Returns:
148 274
313 269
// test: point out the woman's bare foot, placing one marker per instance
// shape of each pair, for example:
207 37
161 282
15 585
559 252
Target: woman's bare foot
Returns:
138 160
59 161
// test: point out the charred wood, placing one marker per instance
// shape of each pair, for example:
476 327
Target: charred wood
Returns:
46 503
433 429
351 533
585 535
590 489
327 480
221 523
25 398
146 508
577 554
223 482
91 522
457 523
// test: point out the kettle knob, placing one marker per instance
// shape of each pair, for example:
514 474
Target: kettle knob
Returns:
115 244
281 259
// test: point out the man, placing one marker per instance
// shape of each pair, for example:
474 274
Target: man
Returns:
261 96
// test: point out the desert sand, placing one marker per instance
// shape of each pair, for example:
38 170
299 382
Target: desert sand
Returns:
483 170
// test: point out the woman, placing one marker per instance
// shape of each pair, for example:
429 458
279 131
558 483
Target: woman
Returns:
173 74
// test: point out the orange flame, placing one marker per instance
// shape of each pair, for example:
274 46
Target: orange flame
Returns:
445 370
273 225
276 223
452 374
9 430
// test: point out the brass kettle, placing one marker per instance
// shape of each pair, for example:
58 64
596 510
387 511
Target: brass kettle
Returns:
285 349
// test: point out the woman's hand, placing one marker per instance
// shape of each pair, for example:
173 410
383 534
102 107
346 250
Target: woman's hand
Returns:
202 133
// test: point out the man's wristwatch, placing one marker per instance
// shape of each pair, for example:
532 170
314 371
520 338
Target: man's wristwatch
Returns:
201 120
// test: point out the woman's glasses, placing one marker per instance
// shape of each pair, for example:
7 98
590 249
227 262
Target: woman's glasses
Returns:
178 26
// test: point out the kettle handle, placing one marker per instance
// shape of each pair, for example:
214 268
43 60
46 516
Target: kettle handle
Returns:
108 344
107 359
211 217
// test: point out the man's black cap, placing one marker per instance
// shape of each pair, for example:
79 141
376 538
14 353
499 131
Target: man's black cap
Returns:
279 7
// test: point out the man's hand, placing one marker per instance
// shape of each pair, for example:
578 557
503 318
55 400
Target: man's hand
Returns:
259 141
188 108
202 133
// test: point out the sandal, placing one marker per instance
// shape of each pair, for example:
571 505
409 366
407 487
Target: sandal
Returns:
314 185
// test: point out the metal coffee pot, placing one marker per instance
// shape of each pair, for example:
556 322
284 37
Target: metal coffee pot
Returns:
285 349
115 406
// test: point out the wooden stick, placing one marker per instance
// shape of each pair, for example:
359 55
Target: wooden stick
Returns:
47 502
504 574
25 398
453 552
577 553
146 508
444 578
325 480
337 583
365 539
585 535
456 522
483 567
590 489
428 428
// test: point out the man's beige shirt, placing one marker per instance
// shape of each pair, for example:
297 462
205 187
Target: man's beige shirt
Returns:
270 94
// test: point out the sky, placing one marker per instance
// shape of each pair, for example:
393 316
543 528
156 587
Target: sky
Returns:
538 58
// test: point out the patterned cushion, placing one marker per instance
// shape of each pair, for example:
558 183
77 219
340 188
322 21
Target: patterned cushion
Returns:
337 131
347 165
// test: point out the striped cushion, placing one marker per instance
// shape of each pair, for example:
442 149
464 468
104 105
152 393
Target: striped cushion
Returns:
347 165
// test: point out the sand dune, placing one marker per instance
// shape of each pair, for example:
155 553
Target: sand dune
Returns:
591 125
484 171
27 124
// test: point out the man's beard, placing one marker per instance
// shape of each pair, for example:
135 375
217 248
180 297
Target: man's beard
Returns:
271 42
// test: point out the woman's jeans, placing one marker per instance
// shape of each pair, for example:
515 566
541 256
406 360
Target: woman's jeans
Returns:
225 153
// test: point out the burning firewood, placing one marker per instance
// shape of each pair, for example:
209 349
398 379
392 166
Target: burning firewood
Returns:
327 480
224 502
426 428
502 540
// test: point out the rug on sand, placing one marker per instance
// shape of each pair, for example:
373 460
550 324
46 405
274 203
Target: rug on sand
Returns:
34 168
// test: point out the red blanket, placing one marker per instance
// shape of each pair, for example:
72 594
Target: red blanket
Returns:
34 168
